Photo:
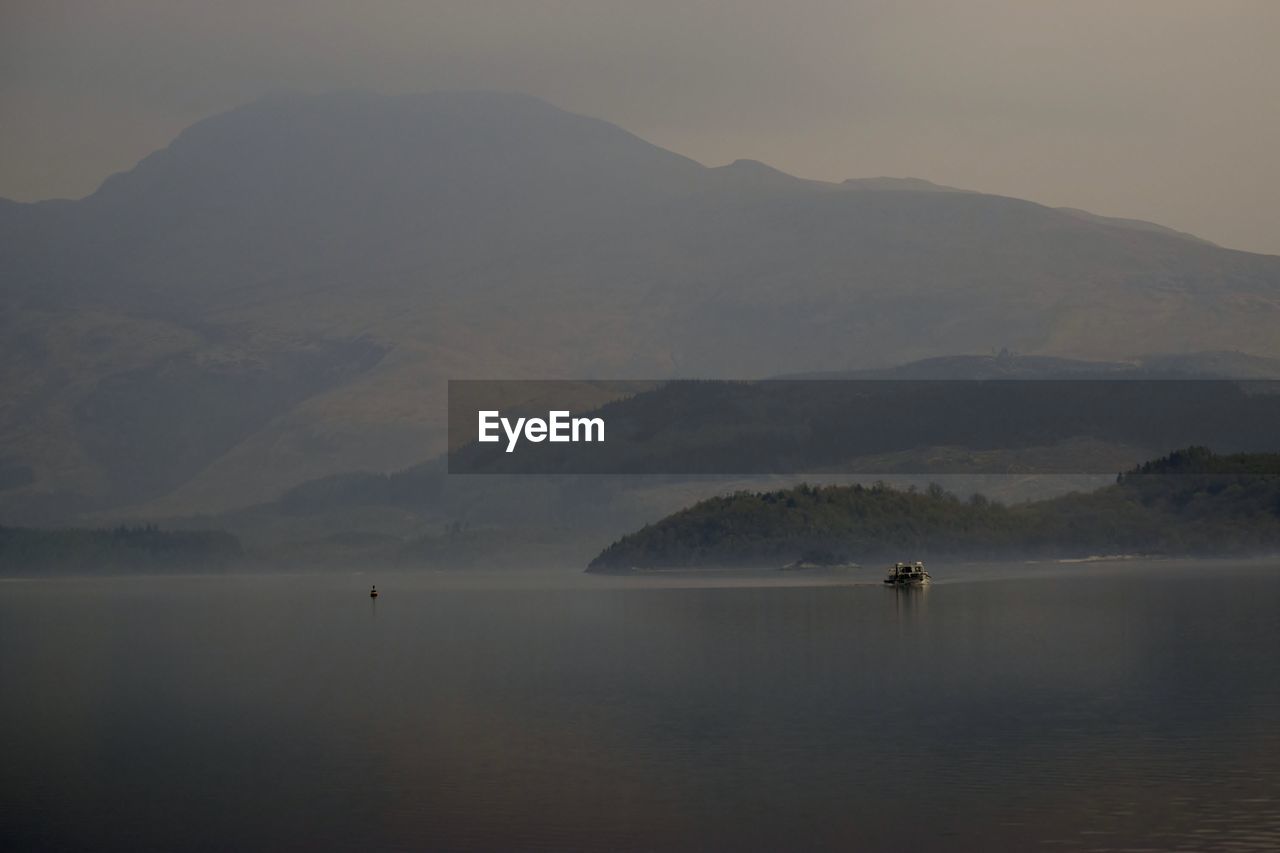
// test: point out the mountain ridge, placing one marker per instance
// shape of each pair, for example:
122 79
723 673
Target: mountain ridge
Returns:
470 235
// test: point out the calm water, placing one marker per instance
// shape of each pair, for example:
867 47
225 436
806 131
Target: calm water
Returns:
1090 708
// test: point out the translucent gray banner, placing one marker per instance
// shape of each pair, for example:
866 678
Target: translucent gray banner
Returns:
1086 426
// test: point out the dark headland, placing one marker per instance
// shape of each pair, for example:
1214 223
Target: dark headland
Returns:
1189 502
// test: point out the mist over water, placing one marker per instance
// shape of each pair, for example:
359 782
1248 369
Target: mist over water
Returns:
1092 707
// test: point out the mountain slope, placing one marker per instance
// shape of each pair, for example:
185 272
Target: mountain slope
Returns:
415 239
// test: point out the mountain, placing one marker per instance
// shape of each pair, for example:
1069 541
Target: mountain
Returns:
281 293
1189 502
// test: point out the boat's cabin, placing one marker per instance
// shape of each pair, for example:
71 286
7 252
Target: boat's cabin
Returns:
906 571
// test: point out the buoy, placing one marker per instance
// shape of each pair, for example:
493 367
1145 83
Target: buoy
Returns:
373 592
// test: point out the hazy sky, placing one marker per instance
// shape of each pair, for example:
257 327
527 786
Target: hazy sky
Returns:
1159 109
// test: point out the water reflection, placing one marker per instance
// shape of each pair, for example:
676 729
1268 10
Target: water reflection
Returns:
1078 712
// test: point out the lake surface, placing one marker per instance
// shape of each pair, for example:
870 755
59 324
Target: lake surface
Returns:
1096 707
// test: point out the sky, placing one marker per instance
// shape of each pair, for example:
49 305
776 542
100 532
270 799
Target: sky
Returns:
1167 110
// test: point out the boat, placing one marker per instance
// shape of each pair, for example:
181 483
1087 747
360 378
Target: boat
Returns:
373 592
908 574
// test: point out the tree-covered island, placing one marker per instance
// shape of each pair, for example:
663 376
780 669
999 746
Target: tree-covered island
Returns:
1191 502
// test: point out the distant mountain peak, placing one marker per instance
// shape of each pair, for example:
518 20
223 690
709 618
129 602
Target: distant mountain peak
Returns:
753 174
335 145
748 166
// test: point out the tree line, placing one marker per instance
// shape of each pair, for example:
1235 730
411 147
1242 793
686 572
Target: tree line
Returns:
26 550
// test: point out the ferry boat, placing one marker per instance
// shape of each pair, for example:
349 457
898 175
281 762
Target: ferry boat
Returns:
908 574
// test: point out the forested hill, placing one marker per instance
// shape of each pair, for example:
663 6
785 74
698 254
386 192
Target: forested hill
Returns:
1190 502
